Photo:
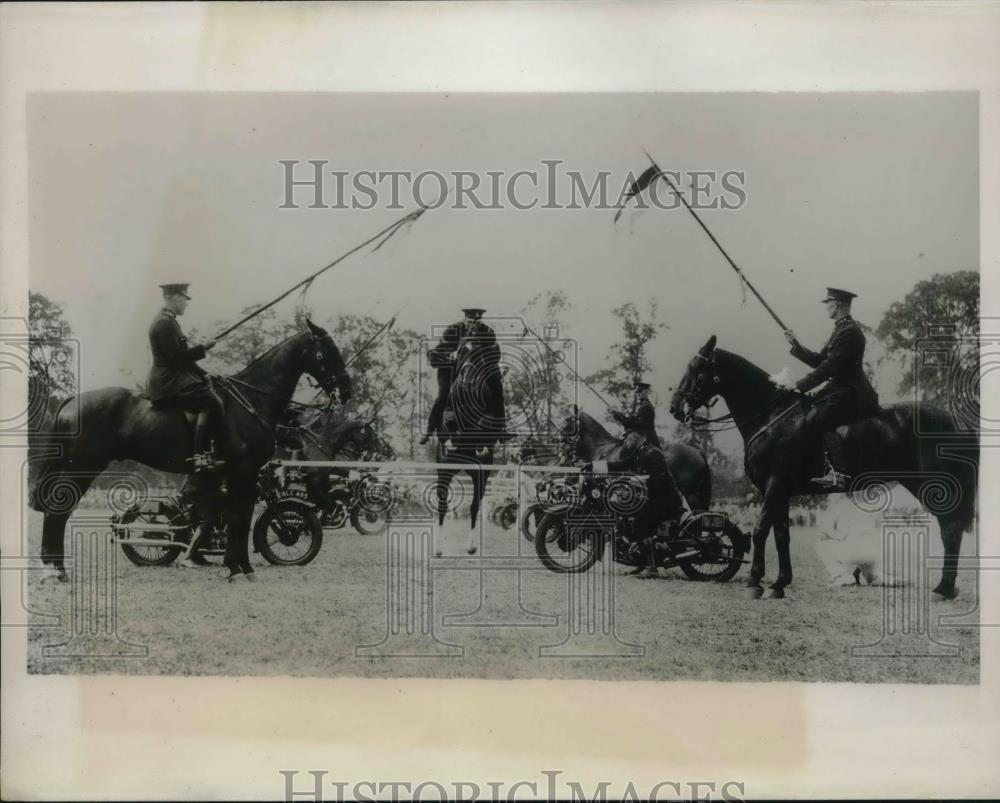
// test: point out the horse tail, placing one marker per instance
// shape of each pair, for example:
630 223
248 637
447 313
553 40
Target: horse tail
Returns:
954 452
47 442
968 478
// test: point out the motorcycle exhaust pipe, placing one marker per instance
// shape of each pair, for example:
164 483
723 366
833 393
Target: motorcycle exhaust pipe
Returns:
149 528
116 539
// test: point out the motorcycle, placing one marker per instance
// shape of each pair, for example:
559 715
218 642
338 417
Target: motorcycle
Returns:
360 497
156 532
600 509
504 514
551 494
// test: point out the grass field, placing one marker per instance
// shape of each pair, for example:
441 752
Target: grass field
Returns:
310 621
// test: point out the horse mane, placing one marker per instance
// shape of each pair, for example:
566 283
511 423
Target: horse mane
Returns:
267 353
743 365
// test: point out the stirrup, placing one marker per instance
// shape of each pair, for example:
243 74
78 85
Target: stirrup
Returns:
833 479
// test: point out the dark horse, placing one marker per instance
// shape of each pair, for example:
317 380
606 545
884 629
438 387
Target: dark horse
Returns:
470 431
100 426
886 447
588 441
323 434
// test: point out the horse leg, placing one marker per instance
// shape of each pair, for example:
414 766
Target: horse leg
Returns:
951 537
58 498
53 546
760 534
239 510
757 563
478 492
778 506
441 489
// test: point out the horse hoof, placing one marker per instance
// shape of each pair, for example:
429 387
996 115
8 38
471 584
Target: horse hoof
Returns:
236 577
250 577
945 592
438 553
54 576
472 550
775 593
755 592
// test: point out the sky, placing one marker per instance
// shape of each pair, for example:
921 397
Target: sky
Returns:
867 191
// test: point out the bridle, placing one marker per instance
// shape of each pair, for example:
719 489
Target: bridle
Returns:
701 422
326 378
692 400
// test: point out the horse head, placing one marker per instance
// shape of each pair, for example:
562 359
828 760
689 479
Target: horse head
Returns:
324 363
699 385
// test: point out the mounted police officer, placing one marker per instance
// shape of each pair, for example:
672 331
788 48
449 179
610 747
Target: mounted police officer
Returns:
176 375
847 395
469 337
642 419
663 500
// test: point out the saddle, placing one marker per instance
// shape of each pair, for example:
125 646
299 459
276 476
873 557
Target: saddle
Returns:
168 404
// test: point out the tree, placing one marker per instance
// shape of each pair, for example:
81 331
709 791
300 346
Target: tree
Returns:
248 342
50 364
934 333
536 376
628 358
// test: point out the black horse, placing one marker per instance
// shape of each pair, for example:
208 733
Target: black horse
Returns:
470 431
882 448
95 428
588 441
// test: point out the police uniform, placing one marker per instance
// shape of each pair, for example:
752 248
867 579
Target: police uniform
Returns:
175 373
664 502
847 395
445 358
642 418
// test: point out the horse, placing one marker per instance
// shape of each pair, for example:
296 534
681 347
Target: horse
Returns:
472 428
323 434
96 427
916 445
587 440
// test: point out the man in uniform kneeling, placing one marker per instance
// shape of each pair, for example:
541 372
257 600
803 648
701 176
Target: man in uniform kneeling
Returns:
663 500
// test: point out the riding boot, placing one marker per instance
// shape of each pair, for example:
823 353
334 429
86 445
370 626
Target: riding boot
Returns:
202 459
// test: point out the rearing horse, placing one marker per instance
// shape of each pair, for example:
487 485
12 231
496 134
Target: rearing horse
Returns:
99 426
473 428
885 447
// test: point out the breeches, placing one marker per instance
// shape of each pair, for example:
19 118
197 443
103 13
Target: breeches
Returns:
830 411
201 399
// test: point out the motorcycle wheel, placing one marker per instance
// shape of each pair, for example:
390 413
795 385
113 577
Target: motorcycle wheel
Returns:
288 533
508 515
721 571
564 552
153 555
368 522
533 513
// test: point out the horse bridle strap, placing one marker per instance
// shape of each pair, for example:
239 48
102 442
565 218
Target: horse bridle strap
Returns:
230 385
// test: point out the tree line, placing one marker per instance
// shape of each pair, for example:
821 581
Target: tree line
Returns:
394 387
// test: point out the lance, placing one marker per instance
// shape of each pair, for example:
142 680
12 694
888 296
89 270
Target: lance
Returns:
383 328
383 235
718 245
